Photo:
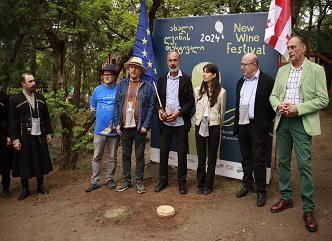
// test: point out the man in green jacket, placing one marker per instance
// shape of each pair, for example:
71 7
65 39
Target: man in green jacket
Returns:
298 94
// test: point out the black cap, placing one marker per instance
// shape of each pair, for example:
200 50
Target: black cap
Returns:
108 67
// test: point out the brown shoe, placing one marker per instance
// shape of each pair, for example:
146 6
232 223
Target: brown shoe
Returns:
281 205
310 222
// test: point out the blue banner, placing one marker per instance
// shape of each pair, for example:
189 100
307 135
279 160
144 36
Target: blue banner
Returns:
222 40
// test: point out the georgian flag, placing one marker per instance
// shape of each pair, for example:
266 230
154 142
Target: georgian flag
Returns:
279 26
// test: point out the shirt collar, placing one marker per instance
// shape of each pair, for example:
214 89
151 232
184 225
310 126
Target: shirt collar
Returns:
302 65
256 76
178 76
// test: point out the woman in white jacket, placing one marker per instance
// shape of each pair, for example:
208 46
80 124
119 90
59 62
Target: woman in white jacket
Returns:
210 103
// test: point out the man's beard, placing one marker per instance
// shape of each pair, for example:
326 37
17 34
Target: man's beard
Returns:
174 70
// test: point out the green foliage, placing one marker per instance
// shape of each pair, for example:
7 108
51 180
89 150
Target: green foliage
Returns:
58 106
80 143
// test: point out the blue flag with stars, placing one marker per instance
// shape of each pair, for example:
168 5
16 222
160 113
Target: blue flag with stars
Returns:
143 47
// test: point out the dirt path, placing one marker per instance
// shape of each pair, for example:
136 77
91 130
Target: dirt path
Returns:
68 213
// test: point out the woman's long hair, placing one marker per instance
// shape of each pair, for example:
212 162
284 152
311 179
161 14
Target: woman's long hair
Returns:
215 87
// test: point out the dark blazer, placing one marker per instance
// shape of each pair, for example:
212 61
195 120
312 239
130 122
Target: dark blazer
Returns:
186 98
264 113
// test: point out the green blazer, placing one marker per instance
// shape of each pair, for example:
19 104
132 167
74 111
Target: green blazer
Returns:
313 92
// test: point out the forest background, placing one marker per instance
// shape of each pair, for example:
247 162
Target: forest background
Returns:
64 43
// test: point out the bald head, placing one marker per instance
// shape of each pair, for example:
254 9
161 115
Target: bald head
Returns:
249 65
251 57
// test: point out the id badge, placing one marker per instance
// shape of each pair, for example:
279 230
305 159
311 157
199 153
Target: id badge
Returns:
129 106
35 127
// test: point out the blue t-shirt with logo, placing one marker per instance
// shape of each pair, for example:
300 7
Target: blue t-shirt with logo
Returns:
103 100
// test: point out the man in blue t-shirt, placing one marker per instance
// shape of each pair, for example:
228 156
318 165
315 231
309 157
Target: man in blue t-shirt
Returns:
102 103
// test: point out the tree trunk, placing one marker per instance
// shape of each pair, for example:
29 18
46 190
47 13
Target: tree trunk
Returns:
69 158
33 62
78 71
311 13
7 67
296 7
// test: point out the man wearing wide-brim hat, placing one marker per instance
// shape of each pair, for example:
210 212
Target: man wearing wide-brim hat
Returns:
133 110
102 104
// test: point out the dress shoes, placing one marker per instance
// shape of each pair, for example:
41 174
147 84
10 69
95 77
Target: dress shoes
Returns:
6 194
25 193
182 189
310 222
42 190
281 205
244 191
161 186
200 190
261 199
207 191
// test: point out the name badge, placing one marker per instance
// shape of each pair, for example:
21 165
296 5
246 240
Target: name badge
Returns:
130 106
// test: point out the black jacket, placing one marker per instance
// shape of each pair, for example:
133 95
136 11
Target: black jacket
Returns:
186 98
263 111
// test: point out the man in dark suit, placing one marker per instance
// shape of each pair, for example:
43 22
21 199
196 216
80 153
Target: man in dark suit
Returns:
253 116
176 96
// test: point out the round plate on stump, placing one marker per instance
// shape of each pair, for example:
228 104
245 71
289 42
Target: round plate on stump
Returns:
165 211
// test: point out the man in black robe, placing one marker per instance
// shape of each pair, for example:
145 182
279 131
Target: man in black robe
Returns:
5 145
30 130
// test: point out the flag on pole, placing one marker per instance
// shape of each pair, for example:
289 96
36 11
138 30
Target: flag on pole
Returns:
279 26
143 47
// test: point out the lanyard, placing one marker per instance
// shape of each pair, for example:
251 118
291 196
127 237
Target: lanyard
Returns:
252 91
135 90
36 108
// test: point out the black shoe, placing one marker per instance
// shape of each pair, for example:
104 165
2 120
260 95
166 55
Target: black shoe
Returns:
244 191
92 186
111 184
6 194
261 199
25 193
161 186
182 189
42 190
200 190
207 191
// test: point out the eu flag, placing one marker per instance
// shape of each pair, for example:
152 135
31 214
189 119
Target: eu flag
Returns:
143 47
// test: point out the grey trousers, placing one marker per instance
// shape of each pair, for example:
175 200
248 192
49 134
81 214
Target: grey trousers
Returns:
99 143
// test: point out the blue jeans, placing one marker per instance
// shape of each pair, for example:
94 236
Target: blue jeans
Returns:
99 143
128 137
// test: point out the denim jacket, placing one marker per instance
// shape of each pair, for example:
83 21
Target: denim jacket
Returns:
145 103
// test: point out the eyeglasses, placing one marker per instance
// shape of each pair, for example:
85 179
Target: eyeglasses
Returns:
109 75
245 65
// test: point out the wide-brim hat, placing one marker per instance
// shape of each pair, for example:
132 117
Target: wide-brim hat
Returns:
136 61
108 67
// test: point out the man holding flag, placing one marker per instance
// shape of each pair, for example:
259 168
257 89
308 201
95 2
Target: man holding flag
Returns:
134 104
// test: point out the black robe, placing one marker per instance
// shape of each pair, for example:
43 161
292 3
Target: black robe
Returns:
33 160
5 151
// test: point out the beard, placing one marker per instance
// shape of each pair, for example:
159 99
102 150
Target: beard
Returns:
174 69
